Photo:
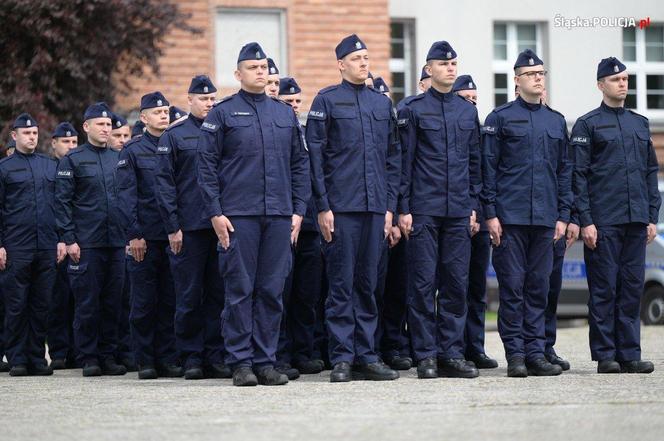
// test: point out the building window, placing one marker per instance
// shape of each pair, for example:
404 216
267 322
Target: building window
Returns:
234 27
643 54
402 59
508 40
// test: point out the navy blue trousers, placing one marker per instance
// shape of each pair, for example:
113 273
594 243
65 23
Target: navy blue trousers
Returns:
61 317
125 343
254 268
555 285
480 253
96 281
152 306
523 264
28 283
616 272
437 325
199 299
351 262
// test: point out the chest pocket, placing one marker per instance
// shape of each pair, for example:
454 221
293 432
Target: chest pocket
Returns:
188 143
18 177
515 140
146 163
642 147
554 140
345 131
85 172
430 137
381 127
464 135
240 136
606 145
283 131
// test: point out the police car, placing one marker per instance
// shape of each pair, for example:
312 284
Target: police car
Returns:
573 301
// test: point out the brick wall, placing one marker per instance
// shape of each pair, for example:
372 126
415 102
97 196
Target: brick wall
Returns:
314 27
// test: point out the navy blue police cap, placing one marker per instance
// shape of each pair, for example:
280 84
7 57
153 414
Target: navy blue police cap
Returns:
138 129
201 84
528 58
464 82
441 50
175 113
288 86
349 45
380 85
272 68
424 75
117 121
64 130
25 121
609 66
97 110
251 51
153 99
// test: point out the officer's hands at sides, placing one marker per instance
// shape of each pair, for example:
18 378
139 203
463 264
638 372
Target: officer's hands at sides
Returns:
175 241
406 224
3 259
61 252
495 230
561 228
652 232
395 236
138 248
74 252
326 224
296 225
223 227
474 225
589 236
572 235
387 228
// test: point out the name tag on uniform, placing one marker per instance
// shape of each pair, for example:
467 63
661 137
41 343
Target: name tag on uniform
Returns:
122 162
241 113
316 115
209 126
402 122
580 140
491 130
162 149
64 174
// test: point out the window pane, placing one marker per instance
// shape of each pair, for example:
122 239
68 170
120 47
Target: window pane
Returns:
654 34
499 32
499 41
526 32
629 44
655 43
397 50
630 101
629 35
398 80
500 51
655 91
500 81
499 99
654 82
397 30
629 53
654 53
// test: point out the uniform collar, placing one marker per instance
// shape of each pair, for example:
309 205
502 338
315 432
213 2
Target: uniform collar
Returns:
197 121
252 96
353 86
447 97
151 138
94 148
527 105
24 155
616 110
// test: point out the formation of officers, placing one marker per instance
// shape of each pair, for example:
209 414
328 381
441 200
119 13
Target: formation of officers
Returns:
234 242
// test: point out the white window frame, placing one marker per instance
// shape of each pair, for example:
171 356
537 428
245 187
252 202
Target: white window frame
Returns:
641 69
405 65
283 40
507 66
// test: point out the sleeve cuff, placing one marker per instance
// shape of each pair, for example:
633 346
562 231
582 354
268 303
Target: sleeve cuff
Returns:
489 212
586 219
322 204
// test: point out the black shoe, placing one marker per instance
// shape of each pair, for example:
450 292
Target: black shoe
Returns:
269 376
129 364
169 371
193 373
40 370
58 364
483 361
427 368
288 370
341 373
244 376
542 368
217 370
4 366
147 373
399 363
110 367
20 370
516 367
91 370
377 371
554 359
308 367
608 367
636 367
456 368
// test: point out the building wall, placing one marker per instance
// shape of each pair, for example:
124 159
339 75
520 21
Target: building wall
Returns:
313 29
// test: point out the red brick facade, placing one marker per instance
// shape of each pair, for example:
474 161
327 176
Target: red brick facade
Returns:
314 27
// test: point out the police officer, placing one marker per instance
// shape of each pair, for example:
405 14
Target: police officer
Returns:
354 153
199 290
61 309
527 201
616 196
423 85
29 249
87 216
480 252
138 129
120 133
290 93
254 176
437 209
152 293
273 80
